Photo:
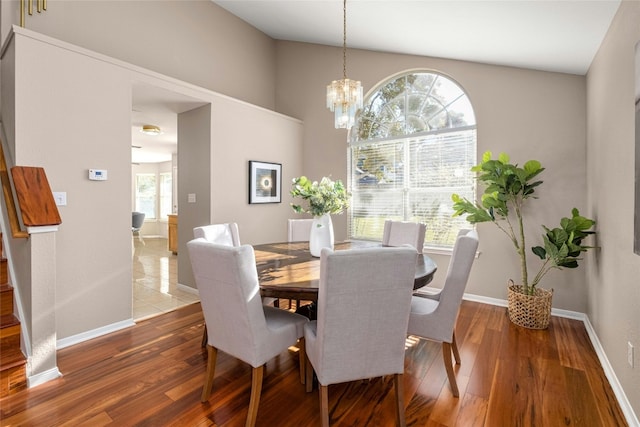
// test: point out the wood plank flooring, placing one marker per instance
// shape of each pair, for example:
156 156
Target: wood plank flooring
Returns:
152 374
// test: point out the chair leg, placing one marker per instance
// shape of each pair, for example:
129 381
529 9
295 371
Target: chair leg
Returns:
398 382
324 405
308 369
205 338
454 347
211 370
302 359
446 353
256 389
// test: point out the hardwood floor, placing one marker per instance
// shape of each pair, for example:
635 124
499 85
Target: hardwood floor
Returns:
152 375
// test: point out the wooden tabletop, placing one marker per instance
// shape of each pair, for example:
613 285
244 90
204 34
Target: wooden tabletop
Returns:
287 270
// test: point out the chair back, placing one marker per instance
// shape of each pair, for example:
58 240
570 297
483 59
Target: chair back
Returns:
443 319
299 230
399 233
364 300
223 234
137 219
227 282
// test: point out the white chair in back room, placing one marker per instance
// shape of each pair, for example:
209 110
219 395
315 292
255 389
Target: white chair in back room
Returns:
398 233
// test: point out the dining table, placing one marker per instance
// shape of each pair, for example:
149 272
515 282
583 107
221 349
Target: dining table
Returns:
288 270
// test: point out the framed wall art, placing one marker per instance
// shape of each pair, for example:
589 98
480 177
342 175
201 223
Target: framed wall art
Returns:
265 182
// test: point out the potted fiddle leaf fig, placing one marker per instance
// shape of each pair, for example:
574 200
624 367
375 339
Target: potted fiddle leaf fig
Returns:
508 187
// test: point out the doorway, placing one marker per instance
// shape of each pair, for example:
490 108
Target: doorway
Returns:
154 173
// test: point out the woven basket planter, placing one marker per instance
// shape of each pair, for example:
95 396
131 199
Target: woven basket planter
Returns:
530 311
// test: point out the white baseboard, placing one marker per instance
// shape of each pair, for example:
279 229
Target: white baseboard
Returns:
624 403
43 377
94 333
188 289
485 300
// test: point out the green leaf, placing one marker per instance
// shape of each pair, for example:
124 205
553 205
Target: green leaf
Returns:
521 174
532 168
486 156
503 158
558 236
539 250
569 264
562 253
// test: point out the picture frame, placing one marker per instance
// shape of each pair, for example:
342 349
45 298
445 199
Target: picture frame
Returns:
265 182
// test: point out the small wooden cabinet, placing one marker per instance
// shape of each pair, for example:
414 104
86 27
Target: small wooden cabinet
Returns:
173 233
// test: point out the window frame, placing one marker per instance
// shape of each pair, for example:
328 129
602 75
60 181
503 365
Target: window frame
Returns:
405 140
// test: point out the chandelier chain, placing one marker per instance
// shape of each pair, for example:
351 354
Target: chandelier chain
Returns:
344 39
344 97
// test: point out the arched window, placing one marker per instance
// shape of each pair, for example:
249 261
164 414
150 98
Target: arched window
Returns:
412 146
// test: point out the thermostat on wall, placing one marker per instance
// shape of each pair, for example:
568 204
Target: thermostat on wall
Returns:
98 174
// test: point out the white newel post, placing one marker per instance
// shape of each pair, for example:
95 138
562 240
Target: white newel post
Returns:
42 365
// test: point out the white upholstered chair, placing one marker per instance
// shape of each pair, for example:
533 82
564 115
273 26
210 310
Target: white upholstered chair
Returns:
364 299
299 230
399 233
237 321
433 316
222 234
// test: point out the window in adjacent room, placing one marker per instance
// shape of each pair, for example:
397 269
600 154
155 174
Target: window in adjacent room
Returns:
412 146
146 194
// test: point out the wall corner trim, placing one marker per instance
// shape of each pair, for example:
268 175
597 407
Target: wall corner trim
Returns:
43 377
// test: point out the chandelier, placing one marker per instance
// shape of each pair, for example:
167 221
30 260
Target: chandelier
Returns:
344 97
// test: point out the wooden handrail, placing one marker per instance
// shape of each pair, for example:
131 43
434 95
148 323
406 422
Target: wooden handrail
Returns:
37 204
12 212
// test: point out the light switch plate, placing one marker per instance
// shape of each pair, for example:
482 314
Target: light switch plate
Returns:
60 197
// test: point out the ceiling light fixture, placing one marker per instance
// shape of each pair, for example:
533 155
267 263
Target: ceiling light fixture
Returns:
344 97
151 130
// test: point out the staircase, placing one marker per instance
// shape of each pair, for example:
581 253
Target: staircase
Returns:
13 377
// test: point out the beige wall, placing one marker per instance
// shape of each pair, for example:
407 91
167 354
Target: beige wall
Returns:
279 140
194 177
528 114
56 117
613 284
192 40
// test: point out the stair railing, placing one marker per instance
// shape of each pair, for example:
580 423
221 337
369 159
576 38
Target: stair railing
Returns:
7 190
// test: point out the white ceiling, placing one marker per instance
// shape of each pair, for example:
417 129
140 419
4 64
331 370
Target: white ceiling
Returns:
158 107
550 35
